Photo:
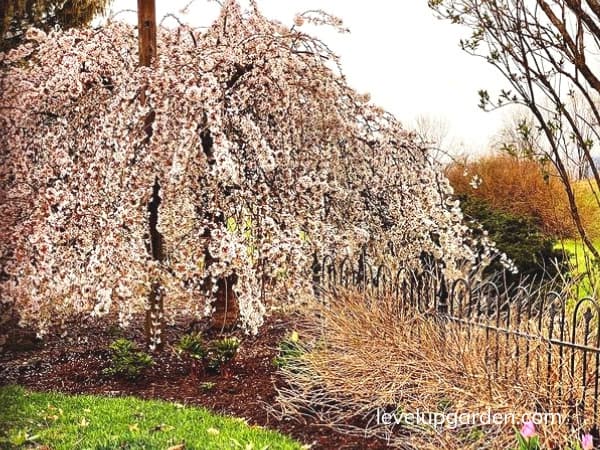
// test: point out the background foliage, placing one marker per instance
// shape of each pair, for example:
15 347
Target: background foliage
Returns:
519 236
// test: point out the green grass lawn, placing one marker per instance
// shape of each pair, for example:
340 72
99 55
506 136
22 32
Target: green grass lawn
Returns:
580 264
579 256
588 207
31 420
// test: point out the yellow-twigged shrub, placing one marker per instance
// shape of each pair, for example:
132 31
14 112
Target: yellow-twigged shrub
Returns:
522 187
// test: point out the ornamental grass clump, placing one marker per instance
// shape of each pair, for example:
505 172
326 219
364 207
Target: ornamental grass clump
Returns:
370 356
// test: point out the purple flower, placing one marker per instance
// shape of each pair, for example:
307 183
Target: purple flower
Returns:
587 442
528 430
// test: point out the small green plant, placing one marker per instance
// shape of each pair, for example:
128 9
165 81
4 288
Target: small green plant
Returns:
227 348
290 350
475 435
207 386
193 345
126 360
221 353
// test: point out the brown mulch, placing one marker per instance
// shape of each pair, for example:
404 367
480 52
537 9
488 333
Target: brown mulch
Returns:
74 365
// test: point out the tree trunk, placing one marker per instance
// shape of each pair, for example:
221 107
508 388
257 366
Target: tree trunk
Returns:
154 323
227 311
155 313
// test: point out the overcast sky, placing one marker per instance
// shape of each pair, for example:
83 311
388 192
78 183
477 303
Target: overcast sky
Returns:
408 60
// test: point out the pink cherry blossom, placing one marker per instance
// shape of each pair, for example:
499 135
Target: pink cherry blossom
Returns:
263 153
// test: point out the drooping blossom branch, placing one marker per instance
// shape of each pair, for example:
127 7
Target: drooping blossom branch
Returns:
263 154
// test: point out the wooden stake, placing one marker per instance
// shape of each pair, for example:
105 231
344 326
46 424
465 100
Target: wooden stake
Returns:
154 325
147 31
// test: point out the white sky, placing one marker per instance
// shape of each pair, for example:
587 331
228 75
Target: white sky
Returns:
408 60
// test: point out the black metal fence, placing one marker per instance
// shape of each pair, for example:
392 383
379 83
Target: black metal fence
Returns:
547 335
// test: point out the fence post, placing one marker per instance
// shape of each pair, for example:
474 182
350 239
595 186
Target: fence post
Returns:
442 294
362 270
316 275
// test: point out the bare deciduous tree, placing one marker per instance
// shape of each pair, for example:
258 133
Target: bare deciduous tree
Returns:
432 133
546 50
518 136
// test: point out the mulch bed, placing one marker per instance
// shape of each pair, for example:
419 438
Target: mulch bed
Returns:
71 366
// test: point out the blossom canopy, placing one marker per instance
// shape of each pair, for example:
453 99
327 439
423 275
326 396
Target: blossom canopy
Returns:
263 154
